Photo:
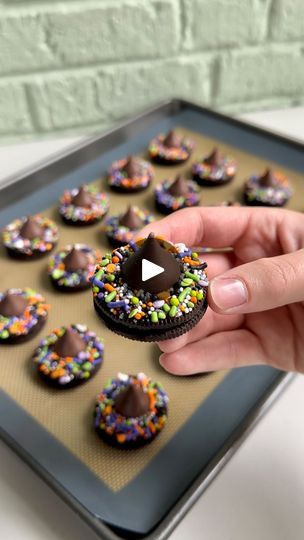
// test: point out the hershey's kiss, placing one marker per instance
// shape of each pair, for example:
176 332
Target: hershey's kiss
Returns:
132 402
82 198
132 167
172 140
69 344
31 229
152 251
75 260
179 188
13 305
267 179
131 219
214 158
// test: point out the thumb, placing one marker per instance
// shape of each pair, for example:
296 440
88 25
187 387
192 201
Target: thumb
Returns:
259 285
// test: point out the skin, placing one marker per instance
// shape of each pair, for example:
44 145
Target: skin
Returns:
268 263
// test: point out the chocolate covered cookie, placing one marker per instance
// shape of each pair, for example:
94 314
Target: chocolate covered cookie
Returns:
71 267
130 175
120 229
172 195
170 149
30 237
83 206
272 188
214 169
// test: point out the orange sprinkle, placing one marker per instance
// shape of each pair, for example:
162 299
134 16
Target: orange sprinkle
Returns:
57 373
111 268
115 259
193 299
109 287
121 437
137 316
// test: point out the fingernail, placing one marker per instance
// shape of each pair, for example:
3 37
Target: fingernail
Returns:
228 293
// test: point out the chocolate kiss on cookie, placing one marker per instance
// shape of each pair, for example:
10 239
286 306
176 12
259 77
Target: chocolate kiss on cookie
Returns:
69 344
214 158
152 251
132 167
179 188
132 402
82 198
13 305
130 219
267 179
31 229
172 140
75 260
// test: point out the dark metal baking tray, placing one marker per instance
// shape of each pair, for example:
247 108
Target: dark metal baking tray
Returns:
153 503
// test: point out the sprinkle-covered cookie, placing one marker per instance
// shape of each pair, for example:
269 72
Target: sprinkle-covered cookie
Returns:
23 312
69 356
172 195
170 149
129 175
83 206
131 411
120 229
272 188
30 237
214 170
161 307
71 267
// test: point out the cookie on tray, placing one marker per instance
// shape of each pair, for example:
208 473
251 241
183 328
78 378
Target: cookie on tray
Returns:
30 237
120 229
69 356
172 195
131 411
23 313
83 206
130 175
272 188
150 307
70 268
170 149
214 170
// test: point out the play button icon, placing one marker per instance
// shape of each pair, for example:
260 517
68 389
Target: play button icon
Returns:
150 270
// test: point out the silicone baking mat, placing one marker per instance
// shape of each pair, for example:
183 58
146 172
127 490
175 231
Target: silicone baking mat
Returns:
67 415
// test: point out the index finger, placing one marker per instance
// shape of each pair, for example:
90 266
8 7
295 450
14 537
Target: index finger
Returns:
215 227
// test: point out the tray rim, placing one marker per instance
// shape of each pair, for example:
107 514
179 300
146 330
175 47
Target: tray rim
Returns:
11 184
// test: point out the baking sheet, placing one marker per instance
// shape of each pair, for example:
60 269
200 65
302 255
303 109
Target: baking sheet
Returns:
56 411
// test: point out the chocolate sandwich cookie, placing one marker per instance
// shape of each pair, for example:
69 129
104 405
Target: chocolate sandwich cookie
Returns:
131 411
214 170
83 206
69 356
130 175
23 313
174 195
170 149
272 188
120 229
71 268
30 237
154 308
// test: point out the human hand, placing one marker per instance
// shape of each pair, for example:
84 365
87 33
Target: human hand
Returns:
256 292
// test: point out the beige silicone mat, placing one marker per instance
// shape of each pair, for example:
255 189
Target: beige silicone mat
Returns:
68 414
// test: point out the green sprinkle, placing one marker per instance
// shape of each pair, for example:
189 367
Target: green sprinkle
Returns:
87 366
194 255
173 311
186 282
190 304
161 315
104 262
95 289
200 295
99 274
75 369
193 292
192 276
86 375
56 274
133 312
154 317
4 334
166 308
134 300
110 296
110 277
174 301
183 294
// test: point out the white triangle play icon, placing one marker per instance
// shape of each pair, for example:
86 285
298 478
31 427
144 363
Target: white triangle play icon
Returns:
150 270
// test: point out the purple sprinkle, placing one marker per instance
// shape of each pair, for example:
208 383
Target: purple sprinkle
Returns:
100 295
98 283
133 246
119 255
203 283
119 303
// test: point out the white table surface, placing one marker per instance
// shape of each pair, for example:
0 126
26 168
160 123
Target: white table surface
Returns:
258 496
